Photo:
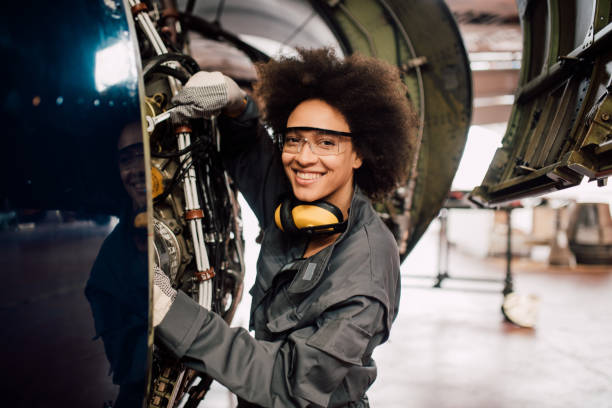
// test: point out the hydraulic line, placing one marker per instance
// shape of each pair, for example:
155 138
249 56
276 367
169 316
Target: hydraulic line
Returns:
139 10
204 273
361 28
412 177
177 153
186 61
192 206
166 70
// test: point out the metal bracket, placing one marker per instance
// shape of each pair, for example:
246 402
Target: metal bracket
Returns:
413 63
600 130
588 40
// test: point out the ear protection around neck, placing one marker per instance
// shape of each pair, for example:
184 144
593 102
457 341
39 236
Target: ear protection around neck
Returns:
308 218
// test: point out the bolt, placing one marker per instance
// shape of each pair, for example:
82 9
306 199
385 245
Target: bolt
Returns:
605 117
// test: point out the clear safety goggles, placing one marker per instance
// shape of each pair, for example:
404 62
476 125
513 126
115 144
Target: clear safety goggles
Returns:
322 142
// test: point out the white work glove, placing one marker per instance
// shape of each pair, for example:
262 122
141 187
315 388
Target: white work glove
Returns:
205 95
163 295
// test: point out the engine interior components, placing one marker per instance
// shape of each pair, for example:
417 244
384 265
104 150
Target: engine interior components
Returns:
197 227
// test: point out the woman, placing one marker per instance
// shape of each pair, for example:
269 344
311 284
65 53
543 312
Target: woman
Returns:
327 290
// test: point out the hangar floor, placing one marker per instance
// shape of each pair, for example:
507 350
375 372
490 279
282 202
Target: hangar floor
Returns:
448 348
451 348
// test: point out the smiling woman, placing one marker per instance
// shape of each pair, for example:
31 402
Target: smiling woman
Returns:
321 177
365 97
324 297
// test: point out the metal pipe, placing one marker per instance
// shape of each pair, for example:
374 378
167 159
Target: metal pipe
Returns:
508 287
442 250
192 202
412 177
189 204
190 181
144 20
458 278
361 28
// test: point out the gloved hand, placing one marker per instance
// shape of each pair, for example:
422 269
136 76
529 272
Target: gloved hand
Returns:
206 94
163 295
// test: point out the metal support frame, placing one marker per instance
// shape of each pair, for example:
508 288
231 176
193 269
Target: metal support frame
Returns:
444 251
565 67
508 282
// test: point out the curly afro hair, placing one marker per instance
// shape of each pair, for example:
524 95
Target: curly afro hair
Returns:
370 95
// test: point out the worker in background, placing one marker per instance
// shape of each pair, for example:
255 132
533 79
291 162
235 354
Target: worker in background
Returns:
117 289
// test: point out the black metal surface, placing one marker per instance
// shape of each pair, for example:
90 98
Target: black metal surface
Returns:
70 85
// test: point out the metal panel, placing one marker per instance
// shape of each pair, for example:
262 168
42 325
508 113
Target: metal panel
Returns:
560 126
430 50
71 76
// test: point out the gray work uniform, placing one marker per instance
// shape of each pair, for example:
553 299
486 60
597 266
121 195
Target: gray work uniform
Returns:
316 320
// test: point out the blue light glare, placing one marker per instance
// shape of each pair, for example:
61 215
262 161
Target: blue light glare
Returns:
115 65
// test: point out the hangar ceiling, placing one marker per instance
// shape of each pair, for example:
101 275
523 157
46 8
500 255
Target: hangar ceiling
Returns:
492 36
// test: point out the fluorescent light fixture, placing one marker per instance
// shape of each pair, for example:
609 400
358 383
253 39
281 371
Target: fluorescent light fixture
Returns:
498 100
485 61
495 56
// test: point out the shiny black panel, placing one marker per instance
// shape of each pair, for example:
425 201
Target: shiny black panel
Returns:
73 263
69 84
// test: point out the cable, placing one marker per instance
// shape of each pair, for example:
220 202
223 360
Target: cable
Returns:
176 153
177 176
166 70
184 169
186 61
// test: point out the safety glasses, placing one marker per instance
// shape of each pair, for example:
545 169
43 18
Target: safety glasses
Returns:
322 142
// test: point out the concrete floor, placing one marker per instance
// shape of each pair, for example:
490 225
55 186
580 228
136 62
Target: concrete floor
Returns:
448 348
452 348
47 354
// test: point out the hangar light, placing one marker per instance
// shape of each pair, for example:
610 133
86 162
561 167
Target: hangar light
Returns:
115 65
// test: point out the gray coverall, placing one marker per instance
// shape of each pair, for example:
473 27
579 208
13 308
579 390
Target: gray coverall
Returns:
316 320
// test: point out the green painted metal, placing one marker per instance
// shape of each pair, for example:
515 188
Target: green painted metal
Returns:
408 33
557 132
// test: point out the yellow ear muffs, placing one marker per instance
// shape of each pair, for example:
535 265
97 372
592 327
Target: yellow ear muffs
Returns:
314 218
